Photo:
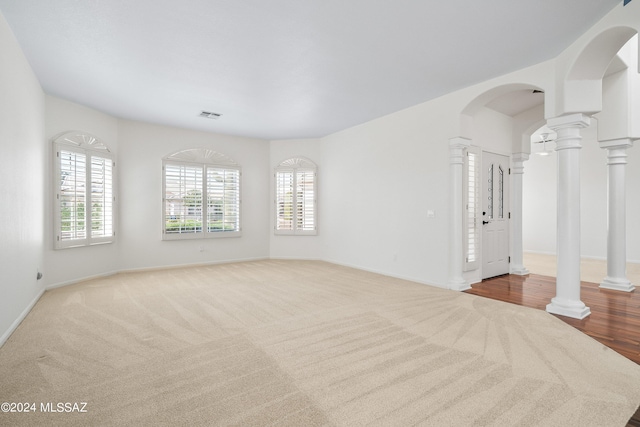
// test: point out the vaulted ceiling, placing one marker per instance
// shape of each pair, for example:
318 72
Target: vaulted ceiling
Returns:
282 69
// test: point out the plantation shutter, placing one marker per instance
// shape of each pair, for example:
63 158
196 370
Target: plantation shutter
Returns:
183 199
101 197
284 200
223 193
305 201
472 194
72 196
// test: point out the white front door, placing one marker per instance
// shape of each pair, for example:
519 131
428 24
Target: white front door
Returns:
495 214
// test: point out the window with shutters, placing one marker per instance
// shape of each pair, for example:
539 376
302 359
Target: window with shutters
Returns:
295 201
201 195
84 191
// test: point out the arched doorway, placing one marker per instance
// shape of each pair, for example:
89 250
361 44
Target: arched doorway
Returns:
492 158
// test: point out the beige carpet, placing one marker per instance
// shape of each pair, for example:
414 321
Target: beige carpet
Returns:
303 344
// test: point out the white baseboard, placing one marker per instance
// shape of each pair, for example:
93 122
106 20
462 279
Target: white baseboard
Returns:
143 269
79 280
385 273
598 258
539 252
589 257
20 318
292 258
197 264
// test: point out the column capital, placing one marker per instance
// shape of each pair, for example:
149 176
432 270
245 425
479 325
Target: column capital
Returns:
459 143
518 159
616 150
456 146
576 120
616 144
568 130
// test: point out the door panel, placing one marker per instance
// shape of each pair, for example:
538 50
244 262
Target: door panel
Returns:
495 215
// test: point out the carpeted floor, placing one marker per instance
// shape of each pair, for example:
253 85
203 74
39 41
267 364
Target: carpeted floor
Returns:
303 343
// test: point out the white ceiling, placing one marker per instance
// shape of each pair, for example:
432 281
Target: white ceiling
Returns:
282 69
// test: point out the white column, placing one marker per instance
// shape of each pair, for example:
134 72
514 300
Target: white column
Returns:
567 300
616 219
517 264
456 254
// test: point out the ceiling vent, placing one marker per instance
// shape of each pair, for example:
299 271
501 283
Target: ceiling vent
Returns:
210 115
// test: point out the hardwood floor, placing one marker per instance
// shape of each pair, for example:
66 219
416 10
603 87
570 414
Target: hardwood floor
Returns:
614 319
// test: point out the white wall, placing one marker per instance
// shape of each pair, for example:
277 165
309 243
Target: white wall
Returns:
142 147
633 204
540 193
493 131
379 180
22 173
65 266
539 204
298 247
593 195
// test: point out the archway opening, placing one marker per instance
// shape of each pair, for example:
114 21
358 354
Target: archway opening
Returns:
497 121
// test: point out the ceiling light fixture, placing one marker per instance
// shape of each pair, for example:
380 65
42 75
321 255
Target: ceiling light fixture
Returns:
546 147
210 115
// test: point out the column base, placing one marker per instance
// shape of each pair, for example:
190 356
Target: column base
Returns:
617 284
563 307
519 271
458 285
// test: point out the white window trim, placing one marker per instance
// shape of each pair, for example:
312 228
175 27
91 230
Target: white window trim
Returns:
90 146
203 158
294 165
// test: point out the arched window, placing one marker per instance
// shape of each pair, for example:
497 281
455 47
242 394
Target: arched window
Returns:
201 191
85 191
296 202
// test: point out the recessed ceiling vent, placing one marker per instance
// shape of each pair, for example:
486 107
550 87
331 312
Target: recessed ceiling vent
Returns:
210 115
